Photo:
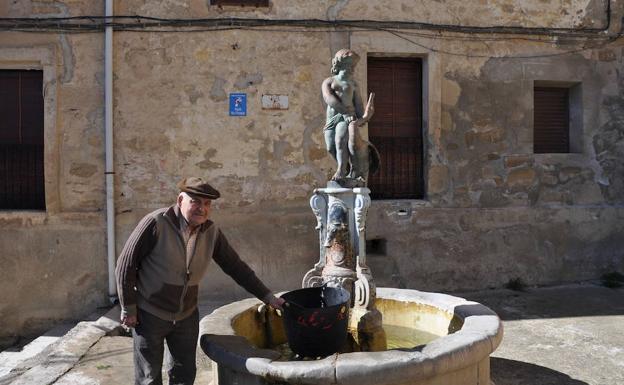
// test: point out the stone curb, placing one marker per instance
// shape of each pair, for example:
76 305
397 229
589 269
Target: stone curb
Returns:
58 358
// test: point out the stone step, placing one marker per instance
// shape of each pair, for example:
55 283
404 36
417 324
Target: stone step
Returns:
43 365
97 351
12 357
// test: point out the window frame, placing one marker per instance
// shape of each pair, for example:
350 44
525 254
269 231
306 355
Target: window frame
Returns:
43 58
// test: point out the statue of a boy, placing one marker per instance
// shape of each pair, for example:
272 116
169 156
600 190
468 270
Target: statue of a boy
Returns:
345 114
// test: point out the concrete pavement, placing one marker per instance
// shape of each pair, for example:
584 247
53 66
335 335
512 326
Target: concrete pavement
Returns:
565 335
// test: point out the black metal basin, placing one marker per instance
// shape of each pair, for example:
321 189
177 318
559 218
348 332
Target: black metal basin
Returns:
316 320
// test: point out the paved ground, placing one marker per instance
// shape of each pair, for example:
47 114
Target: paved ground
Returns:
109 362
566 335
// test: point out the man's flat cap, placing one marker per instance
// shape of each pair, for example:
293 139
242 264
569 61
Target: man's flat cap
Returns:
197 186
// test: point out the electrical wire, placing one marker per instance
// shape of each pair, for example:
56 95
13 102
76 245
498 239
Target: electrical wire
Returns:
98 23
543 55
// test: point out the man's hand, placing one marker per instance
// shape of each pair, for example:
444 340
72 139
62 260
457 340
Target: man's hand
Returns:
275 302
129 321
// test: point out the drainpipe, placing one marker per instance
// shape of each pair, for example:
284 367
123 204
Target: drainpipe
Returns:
110 173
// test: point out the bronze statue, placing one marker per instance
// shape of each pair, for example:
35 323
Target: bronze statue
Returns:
354 156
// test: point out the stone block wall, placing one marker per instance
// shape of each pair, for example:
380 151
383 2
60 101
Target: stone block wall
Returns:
493 210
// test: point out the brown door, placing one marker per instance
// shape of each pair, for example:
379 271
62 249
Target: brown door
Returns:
396 127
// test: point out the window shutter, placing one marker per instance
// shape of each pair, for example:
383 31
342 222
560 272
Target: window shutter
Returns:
551 120
396 127
21 140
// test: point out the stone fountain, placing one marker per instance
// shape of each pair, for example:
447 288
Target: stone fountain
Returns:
398 336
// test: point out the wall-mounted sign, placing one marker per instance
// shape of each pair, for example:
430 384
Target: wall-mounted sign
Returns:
274 102
238 104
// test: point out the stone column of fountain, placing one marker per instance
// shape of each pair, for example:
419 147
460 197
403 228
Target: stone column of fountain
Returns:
341 222
341 207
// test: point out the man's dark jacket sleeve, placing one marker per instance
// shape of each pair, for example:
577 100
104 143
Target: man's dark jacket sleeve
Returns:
140 244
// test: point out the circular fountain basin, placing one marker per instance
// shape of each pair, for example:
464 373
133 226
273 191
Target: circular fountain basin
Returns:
459 336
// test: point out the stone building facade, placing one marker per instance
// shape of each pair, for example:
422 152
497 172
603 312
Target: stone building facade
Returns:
491 209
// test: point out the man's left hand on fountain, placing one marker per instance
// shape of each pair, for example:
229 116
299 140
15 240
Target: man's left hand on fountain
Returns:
274 302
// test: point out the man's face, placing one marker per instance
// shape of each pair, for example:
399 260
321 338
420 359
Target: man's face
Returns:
195 209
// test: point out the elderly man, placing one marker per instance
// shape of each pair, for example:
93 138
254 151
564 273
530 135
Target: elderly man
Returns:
158 273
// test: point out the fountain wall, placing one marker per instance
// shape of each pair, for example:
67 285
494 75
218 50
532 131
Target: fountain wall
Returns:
241 341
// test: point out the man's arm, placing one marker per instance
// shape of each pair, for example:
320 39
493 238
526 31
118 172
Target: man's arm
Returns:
138 245
229 261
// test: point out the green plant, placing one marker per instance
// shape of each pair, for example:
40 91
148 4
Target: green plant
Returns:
516 284
612 280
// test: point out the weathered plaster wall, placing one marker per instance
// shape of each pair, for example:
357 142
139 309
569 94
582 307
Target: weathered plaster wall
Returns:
456 248
53 267
53 263
172 120
493 210
545 218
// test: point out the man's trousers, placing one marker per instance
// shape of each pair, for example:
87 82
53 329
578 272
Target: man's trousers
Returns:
149 337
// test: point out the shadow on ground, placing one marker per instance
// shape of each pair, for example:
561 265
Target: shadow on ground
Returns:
556 302
510 372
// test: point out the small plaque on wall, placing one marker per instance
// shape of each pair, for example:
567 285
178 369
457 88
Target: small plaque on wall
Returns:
274 102
238 104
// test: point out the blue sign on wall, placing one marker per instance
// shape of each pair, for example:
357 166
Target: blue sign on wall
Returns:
238 104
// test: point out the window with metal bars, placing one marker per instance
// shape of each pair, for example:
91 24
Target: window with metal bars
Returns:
551 120
396 127
21 140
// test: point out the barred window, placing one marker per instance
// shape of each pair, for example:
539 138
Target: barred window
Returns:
21 140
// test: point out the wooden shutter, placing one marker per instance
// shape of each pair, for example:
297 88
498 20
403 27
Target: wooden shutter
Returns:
551 120
396 127
21 140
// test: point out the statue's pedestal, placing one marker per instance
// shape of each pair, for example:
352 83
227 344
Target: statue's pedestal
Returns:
341 222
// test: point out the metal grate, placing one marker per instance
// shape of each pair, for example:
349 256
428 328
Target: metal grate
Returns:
400 171
551 120
21 176
21 140
396 127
